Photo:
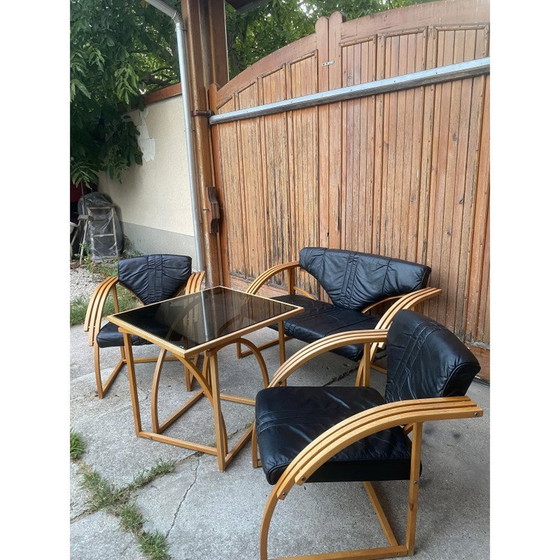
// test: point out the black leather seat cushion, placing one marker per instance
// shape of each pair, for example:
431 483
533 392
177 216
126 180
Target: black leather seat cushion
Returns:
109 336
321 319
289 418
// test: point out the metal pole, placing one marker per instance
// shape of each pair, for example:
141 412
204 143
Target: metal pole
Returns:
186 100
458 71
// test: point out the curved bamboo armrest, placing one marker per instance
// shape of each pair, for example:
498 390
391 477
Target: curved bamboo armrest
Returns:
366 423
408 301
404 300
194 283
326 344
258 282
94 313
372 306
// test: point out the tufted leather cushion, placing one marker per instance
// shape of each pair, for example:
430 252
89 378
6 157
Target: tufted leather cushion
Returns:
321 319
353 280
424 360
289 418
154 278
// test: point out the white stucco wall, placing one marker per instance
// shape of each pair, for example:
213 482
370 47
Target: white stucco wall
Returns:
153 198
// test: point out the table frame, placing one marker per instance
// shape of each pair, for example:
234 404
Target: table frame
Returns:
207 377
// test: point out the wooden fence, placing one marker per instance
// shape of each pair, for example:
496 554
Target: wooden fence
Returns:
403 173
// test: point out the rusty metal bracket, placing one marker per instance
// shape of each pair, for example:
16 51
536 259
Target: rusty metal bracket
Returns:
201 113
215 215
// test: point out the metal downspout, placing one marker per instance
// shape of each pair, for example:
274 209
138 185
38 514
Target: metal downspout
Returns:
186 98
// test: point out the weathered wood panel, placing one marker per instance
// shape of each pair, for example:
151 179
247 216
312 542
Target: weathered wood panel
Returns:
404 174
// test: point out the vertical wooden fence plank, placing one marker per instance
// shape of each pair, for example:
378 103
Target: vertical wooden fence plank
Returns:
323 140
332 188
275 177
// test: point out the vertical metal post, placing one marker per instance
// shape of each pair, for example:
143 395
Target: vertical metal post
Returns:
186 99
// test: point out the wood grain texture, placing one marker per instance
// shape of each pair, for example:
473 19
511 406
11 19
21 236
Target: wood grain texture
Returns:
403 174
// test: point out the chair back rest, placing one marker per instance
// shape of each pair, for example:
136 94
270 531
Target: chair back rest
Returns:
426 360
153 278
354 280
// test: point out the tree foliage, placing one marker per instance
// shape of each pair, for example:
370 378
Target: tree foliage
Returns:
119 50
254 34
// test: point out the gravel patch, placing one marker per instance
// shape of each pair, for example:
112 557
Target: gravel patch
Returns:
82 283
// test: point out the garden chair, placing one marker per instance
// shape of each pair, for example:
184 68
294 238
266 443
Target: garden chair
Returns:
336 433
365 291
151 278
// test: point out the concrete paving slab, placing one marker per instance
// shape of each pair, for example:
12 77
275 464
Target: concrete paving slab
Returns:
78 496
99 537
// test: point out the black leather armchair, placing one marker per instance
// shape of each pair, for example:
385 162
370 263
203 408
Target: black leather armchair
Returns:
331 434
151 278
365 292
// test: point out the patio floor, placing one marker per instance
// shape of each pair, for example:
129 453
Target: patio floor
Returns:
204 514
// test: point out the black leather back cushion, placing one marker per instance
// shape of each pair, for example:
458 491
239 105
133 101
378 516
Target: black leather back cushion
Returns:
354 279
154 278
426 360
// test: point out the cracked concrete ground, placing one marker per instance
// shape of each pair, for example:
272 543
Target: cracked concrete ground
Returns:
205 514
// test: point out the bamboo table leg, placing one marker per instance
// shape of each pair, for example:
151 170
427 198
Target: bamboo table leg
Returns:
155 390
219 424
132 383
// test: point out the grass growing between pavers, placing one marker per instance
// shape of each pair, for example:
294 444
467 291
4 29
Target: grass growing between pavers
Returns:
77 446
119 502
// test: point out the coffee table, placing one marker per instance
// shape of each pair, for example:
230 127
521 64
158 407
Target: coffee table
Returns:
193 326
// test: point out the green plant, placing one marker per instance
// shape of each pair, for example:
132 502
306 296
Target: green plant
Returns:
78 309
101 268
119 49
77 446
161 468
131 519
154 545
102 494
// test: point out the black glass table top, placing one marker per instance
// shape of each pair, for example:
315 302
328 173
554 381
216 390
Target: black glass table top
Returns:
201 318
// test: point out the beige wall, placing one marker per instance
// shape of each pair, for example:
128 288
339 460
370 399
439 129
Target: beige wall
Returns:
153 199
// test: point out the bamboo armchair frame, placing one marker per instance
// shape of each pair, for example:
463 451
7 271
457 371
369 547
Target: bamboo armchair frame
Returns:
94 321
410 414
394 304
